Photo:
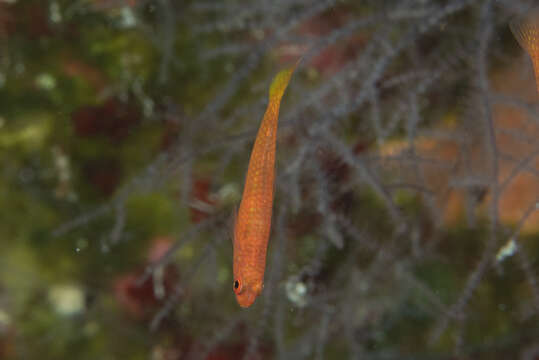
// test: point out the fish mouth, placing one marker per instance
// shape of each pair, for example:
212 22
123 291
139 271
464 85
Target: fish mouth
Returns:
246 299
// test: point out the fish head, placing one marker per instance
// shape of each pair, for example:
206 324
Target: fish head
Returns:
246 292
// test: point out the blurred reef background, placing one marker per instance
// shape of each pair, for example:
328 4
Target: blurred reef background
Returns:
406 218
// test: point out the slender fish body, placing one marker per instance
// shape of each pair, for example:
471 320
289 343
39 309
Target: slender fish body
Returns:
253 221
526 32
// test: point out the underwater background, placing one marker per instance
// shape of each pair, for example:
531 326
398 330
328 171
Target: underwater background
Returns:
406 214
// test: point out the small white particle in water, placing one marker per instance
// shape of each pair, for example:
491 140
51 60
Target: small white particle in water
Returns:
77 249
54 9
66 299
296 292
128 19
229 193
507 250
45 81
2 122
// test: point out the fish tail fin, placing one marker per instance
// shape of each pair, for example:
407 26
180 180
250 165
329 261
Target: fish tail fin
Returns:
526 31
280 82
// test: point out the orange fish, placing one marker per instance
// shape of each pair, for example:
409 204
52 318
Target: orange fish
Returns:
253 221
526 32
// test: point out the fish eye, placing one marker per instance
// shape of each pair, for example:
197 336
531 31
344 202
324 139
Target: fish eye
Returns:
237 286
